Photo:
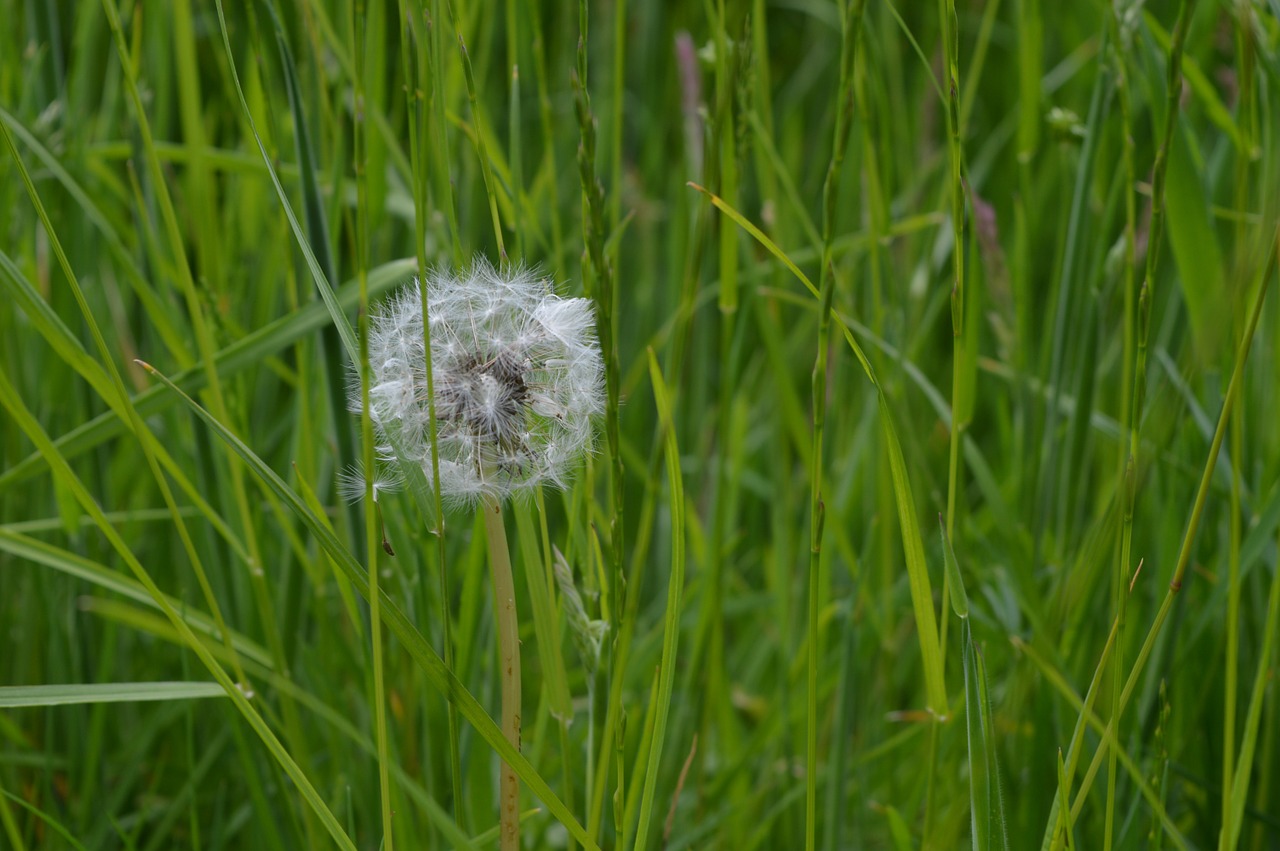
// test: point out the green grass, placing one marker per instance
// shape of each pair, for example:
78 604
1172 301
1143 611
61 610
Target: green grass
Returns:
859 268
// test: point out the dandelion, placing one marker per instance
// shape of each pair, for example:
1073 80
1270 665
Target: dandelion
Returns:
517 375
516 382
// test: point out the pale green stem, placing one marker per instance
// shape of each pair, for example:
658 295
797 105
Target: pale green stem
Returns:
504 606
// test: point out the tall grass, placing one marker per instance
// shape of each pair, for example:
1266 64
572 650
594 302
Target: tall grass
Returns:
856 266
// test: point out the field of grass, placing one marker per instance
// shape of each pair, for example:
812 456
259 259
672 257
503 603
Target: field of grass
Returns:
936 498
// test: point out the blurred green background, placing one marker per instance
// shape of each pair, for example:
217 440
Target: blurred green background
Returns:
1018 216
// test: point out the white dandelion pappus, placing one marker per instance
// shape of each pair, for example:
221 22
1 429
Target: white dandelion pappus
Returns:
517 373
352 480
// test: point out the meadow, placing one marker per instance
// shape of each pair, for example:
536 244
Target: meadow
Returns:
933 498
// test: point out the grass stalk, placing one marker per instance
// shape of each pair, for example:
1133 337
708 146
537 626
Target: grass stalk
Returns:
961 382
1127 472
551 166
432 83
416 53
1231 669
372 534
600 285
718 726
849 27
1241 199
478 135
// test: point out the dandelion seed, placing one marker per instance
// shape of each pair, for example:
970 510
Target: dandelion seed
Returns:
351 485
517 374
352 481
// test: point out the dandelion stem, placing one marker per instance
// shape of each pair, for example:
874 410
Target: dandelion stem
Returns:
504 601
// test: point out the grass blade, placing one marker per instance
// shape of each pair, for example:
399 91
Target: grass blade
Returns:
986 800
1064 802
675 589
13 697
1230 837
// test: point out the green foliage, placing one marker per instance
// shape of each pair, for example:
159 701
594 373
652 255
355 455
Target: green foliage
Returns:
730 614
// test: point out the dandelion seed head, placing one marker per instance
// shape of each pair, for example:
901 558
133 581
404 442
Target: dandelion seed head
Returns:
517 376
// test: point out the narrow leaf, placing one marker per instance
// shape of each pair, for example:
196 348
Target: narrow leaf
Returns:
675 589
12 697
959 599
